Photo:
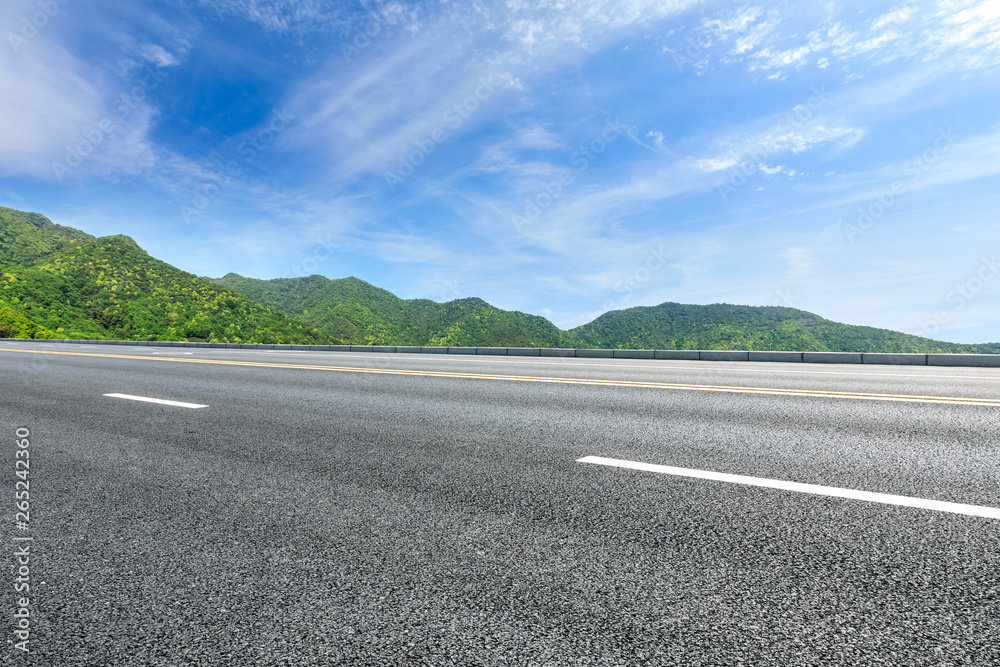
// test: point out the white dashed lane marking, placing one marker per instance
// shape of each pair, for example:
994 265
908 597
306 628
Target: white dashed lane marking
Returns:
814 489
161 401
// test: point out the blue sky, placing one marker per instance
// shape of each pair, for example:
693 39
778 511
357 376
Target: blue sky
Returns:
560 157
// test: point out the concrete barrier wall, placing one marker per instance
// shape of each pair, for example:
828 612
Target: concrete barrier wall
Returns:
776 356
831 358
723 355
596 354
634 354
895 359
968 360
683 355
980 360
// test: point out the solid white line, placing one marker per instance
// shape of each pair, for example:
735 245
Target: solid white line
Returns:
161 401
832 491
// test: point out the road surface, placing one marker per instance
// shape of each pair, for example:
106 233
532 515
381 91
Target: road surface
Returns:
318 508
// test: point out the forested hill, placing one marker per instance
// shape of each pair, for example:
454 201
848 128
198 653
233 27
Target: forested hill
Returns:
675 326
58 282
353 311
25 237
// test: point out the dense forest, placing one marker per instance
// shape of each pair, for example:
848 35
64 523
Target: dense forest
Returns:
352 311
58 282
675 326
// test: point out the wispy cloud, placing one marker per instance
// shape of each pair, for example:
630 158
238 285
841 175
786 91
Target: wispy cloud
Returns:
895 16
967 30
284 16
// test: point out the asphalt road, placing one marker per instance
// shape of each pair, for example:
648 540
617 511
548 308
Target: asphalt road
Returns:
414 511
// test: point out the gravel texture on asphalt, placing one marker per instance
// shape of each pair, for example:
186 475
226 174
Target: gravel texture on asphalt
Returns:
309 517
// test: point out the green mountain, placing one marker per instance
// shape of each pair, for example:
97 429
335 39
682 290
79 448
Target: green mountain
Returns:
15 325
25 237
675 326
352 311
59 283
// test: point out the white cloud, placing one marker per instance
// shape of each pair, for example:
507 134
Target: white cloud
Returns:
538 138
530 25
159 56
745 27
782 138
800 263
969 29
894 16
283 16
733 23
837 39
52 108
367 117
657 141
716 164
751 39
766 58
877 42
393 247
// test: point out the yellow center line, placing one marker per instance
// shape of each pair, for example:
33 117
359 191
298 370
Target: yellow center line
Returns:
808 393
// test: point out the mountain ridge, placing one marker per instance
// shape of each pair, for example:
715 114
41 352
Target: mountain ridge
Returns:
59 282
109 287
709 327
350 310
757 328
